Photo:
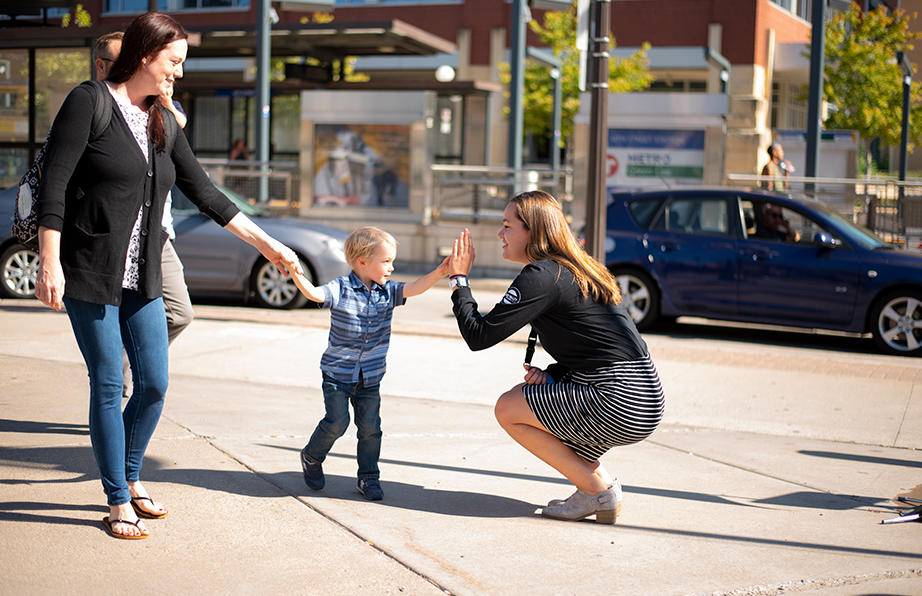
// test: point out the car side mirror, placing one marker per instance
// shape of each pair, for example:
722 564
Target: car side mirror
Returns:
824 240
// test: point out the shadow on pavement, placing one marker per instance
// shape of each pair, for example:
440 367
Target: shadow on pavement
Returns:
16 511
780 542
641 490
49 428
828 501
784 337
871 459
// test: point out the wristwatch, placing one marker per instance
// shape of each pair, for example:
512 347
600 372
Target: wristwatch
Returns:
459 281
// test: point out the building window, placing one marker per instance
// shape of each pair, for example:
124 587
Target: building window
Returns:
131 6
393 2
801 8
678 86
796 117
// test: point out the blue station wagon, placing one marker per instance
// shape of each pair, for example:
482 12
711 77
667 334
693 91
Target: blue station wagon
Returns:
761 257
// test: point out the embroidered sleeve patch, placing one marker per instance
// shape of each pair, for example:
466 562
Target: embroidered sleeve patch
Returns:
512 296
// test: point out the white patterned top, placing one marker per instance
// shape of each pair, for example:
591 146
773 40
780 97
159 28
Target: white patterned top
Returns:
137 123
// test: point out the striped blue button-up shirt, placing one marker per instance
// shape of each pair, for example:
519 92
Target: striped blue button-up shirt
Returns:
360 328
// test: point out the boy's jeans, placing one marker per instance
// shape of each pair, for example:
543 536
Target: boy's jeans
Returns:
120 438
366 401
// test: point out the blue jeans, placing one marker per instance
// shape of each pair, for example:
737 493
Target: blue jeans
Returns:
120 438
366 402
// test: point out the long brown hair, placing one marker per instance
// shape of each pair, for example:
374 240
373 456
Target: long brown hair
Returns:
146 37
550 237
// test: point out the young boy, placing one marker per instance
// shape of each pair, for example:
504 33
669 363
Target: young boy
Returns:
361 305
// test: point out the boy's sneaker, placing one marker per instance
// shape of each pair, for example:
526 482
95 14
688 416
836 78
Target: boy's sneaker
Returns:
313 471
370 489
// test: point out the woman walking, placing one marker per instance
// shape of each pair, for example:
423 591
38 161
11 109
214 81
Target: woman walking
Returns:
100 236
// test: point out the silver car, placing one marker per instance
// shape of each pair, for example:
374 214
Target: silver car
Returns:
216 262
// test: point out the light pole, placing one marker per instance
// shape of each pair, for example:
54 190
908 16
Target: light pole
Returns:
596 199
817 49
906 69
516 81
265 18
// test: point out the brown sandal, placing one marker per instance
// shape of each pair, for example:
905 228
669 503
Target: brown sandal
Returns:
110 523
144 513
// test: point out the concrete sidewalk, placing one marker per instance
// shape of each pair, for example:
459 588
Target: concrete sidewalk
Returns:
764 478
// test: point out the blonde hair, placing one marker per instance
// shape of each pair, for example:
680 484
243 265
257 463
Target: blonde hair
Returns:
550 237
362 242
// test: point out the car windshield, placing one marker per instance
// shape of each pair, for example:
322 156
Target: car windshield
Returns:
853 232
182 204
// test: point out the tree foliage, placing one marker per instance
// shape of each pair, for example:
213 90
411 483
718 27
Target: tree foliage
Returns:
80 17
862 81
558 31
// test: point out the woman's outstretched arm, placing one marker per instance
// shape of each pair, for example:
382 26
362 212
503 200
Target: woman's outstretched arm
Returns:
527 297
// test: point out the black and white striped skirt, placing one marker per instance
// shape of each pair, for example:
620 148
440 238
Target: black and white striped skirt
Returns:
592 411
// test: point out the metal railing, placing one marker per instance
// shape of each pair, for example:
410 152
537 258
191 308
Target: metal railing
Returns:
480 193
890 208
243 178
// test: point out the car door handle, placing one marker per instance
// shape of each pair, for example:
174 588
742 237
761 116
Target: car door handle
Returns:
761 255
667 246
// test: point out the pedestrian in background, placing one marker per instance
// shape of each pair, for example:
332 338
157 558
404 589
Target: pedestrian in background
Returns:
100 211
777 168
603 390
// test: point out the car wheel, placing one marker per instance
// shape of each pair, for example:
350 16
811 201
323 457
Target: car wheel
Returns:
639 296
896 323
19 266
274 289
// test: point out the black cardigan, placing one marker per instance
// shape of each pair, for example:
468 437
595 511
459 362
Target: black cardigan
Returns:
91 192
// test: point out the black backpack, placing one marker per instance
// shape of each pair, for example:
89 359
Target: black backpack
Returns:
25 217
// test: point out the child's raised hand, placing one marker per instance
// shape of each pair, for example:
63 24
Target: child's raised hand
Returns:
294 268
444 268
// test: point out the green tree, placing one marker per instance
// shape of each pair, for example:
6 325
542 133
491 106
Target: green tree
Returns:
862 82
80 17
558 31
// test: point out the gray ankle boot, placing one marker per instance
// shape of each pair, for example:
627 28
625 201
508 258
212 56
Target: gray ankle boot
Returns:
605 505
616 485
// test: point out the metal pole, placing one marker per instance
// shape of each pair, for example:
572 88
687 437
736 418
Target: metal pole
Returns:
555 134
596 204
817 55
516 83
263 53
904 135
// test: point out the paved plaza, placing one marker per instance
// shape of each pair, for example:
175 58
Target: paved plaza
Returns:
771 473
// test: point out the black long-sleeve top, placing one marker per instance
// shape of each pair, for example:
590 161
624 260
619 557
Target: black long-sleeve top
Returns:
92 190
577 332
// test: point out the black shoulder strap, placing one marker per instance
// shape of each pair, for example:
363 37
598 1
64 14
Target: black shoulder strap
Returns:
102 110
170 128
530 350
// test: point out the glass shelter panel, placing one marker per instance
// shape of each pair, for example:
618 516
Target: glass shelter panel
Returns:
14 96
57 72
